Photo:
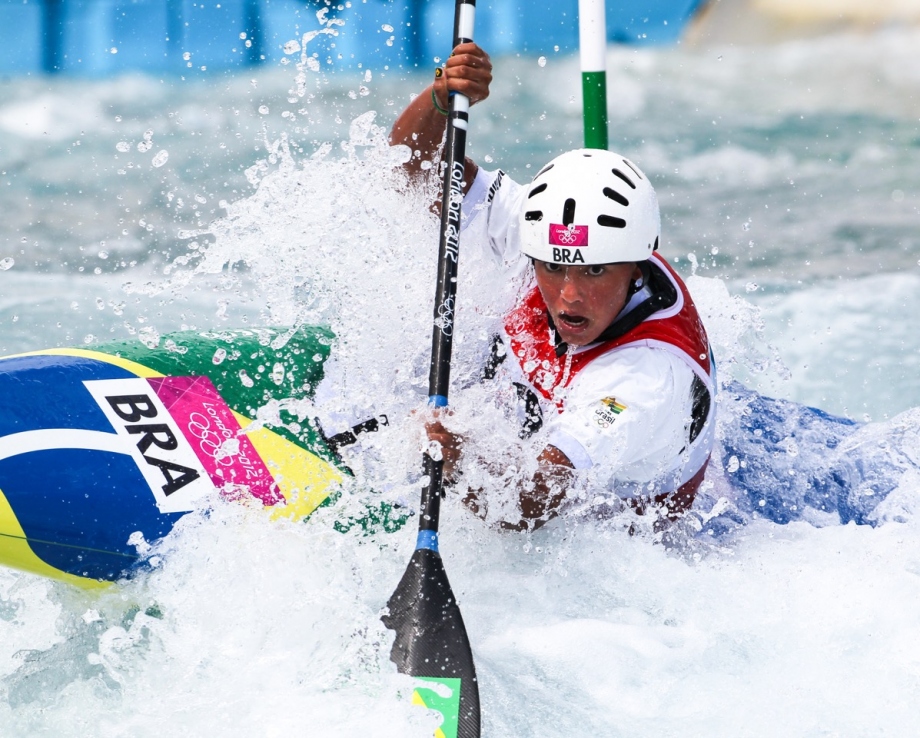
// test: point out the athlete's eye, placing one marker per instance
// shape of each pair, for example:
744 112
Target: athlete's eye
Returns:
596 270
550 267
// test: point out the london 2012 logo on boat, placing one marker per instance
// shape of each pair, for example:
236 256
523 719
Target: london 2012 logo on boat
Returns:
184 438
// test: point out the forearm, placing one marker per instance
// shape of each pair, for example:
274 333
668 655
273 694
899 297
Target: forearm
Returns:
420 127
539 496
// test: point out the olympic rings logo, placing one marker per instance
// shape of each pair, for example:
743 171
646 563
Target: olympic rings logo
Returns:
567 236
445 319
209 440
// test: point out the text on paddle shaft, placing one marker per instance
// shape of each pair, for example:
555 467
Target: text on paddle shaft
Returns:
134 408
455 201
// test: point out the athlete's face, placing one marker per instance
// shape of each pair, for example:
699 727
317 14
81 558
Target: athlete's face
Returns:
584 300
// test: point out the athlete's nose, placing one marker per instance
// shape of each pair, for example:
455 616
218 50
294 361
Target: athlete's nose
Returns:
570 291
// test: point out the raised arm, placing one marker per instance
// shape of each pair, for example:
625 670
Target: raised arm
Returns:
421 125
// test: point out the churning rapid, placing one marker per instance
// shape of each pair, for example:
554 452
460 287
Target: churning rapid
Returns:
788 177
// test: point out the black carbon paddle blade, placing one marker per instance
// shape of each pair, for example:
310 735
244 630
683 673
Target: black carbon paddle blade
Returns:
432 645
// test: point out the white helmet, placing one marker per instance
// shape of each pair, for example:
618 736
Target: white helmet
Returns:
590 206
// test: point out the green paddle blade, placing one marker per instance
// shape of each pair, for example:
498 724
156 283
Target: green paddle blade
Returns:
431 644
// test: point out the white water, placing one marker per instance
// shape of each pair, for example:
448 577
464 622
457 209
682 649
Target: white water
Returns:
797 163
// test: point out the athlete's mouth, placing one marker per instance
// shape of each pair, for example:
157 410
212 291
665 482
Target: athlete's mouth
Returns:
572 321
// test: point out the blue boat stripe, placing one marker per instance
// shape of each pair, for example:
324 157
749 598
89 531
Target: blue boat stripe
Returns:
437 400
427 539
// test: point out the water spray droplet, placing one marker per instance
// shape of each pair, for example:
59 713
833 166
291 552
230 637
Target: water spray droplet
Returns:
6 263
149 336
160 159
542 61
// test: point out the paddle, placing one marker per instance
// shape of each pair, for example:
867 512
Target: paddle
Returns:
431 642
592 36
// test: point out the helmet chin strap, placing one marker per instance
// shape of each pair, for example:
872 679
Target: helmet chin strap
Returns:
663 295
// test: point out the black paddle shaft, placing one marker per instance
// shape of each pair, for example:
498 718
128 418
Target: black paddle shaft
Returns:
431 641
442 334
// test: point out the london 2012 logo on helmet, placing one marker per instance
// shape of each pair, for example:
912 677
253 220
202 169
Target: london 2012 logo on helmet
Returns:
573 236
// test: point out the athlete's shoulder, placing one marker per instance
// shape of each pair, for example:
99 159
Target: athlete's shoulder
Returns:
644 369
492 192
626 412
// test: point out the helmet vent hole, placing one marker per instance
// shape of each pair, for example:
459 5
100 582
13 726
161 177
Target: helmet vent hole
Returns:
622 176
656 244
615 196
635 171
533 215
568 212
543 171
610 221
537 190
